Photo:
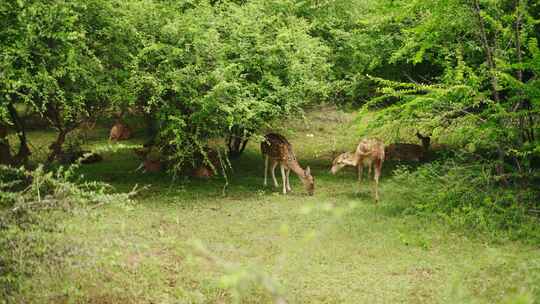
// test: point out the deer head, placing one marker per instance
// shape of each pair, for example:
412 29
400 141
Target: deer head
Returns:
309 181
344 159
426 140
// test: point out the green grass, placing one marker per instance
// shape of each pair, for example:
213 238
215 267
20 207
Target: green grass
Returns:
334 247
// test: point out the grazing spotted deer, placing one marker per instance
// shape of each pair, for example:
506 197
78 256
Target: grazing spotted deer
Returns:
368 153
278 151
409 152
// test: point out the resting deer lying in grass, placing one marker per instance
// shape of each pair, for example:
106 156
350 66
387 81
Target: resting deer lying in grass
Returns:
368 153
278 151
411 152
119 131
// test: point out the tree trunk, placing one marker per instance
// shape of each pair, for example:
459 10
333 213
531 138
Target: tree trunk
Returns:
236 142
525 119
487 49
152 128
5 151
490 59
56 146
21 158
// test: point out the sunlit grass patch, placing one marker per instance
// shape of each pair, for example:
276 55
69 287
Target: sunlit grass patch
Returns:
259 245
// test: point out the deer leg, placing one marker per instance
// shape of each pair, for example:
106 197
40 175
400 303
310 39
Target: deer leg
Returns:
283 179
360 168
274 165
288 180
378 167
265 170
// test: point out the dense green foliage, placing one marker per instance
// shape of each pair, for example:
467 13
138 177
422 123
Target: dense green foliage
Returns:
56 63
200 73
200 70
206 71
482 97
487 90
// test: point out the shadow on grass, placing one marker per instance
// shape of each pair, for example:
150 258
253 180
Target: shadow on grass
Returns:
245 181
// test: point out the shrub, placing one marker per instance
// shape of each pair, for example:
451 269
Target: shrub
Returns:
467 195
33 203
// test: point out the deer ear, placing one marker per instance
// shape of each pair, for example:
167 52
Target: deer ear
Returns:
308 171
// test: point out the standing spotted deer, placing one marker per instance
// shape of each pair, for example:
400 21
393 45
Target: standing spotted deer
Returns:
368 153
278 151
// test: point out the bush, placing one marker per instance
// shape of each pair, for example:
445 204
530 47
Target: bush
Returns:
223 70
468 195
33 203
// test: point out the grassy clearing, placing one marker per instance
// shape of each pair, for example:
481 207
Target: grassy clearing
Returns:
334 247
